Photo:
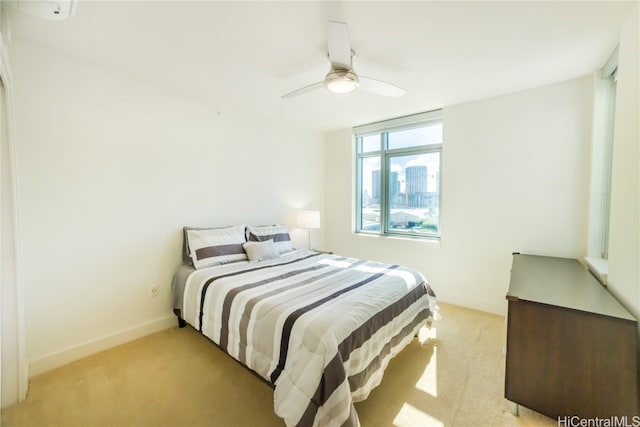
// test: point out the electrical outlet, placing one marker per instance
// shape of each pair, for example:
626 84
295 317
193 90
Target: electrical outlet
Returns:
154 290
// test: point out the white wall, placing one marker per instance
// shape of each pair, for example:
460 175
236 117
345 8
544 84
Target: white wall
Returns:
624 228
110 168
514 178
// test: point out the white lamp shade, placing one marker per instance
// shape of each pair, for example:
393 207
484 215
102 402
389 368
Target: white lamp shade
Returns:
309 219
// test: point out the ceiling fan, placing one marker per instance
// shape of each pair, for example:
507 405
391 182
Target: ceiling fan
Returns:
341 78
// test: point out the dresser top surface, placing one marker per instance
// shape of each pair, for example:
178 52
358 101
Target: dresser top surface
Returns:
561 282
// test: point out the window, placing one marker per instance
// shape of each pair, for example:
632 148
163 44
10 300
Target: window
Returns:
398 164
608 155
601 160
601 168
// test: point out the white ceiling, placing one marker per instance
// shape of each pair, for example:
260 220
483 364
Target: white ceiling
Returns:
247 54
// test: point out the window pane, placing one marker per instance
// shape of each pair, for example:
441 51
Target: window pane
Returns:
413 193
370 143
370 194
427 135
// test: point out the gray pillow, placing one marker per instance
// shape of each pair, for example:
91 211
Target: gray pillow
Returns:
259 251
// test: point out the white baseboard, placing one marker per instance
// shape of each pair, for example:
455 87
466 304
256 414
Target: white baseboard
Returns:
77 352
488 306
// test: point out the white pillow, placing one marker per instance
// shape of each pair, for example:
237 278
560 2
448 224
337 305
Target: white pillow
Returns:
278 233
216 246
258 251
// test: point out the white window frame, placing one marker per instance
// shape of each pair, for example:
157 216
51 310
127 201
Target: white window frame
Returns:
383 128
608 159
601 168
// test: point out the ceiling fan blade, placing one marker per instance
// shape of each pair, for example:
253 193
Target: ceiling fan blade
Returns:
339 45
381 88
304 90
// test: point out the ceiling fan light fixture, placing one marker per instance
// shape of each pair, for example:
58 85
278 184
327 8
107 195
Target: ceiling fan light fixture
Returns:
341 81
341 77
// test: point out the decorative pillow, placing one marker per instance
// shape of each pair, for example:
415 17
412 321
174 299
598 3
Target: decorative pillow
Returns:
278 233
258 251
216 246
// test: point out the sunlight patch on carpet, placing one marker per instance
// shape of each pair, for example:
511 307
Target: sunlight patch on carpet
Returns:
427 333
410 416
428 381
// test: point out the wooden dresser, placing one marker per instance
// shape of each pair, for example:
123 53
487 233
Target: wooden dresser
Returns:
571 346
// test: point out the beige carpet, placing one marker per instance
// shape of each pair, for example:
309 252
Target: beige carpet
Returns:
179 378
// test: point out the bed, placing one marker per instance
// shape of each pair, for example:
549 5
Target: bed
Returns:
320 328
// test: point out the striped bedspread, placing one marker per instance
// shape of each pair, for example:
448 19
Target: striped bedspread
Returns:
320 328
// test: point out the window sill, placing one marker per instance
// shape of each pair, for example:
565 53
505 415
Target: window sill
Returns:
419 239
599 267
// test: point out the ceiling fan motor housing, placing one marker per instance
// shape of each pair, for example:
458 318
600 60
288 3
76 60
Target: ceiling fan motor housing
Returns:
341 81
